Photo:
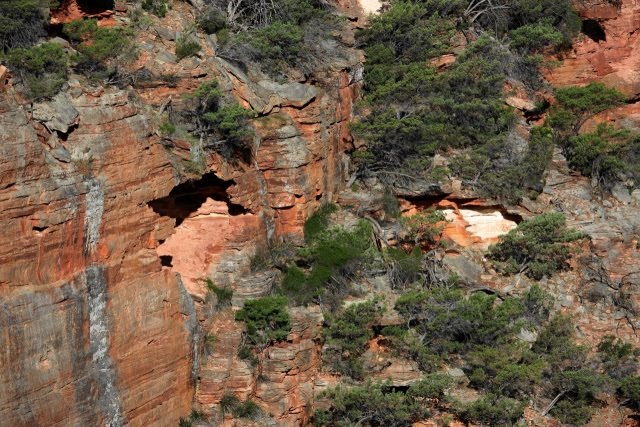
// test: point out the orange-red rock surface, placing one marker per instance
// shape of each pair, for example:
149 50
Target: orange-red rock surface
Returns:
613 61
95 330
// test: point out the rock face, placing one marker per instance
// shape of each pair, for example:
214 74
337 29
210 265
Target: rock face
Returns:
608 50
94 332
97 326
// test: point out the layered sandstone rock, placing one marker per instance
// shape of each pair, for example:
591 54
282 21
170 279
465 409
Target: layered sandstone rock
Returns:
94 332
98 328
608 50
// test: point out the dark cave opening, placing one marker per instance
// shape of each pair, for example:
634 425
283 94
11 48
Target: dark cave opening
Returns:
592 29
166 260
95 7
187 198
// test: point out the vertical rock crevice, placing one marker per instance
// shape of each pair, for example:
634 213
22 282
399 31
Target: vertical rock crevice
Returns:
105 376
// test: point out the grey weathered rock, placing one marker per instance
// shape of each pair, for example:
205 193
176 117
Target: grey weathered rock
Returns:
621 193
288 94
455 372
288 131
58 114
527 336
61 154
467 269
165 33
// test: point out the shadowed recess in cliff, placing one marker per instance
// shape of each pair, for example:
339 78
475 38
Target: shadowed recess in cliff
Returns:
592 29
187 198
91 7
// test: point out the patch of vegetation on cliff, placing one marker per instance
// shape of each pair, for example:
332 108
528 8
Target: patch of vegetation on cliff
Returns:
412 110
347 336
275 35
266 319
510 349
43 69
220 123
332 259
538 247
22 23
607 155
100 49
378 404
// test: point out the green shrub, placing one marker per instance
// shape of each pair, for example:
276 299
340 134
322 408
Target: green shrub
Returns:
348 334
336 255
166 128
266 319
371 404
43 69
98 47
508 371
223 294
493 411
403 268
338 246
607 155
619 359
160 8
411 111
538 247
223 126
228 402
212 20
533 37
430 387
276 35
247 409
575 105
318 221
423 228
629 390
578 389
22 23
186 46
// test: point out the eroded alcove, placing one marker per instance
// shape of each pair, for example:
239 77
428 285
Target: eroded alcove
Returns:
593 29
213 237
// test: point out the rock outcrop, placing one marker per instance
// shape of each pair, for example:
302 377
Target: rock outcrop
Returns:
607 50
94 332
98 326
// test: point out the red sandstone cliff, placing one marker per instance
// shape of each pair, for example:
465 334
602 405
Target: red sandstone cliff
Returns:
95 330
98 327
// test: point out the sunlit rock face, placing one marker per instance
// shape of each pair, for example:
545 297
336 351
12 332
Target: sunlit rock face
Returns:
607 51
469 227
371 6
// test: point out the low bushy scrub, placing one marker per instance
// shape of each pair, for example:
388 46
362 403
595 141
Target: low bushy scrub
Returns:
99 48
160 8
318 222
222 124
187 45
223 294
539 247
22 23
380 405
334 257
266 319
43 68
347 335
606 154
275 35
412 111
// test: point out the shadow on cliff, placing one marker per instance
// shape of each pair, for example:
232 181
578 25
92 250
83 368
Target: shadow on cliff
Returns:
186 198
